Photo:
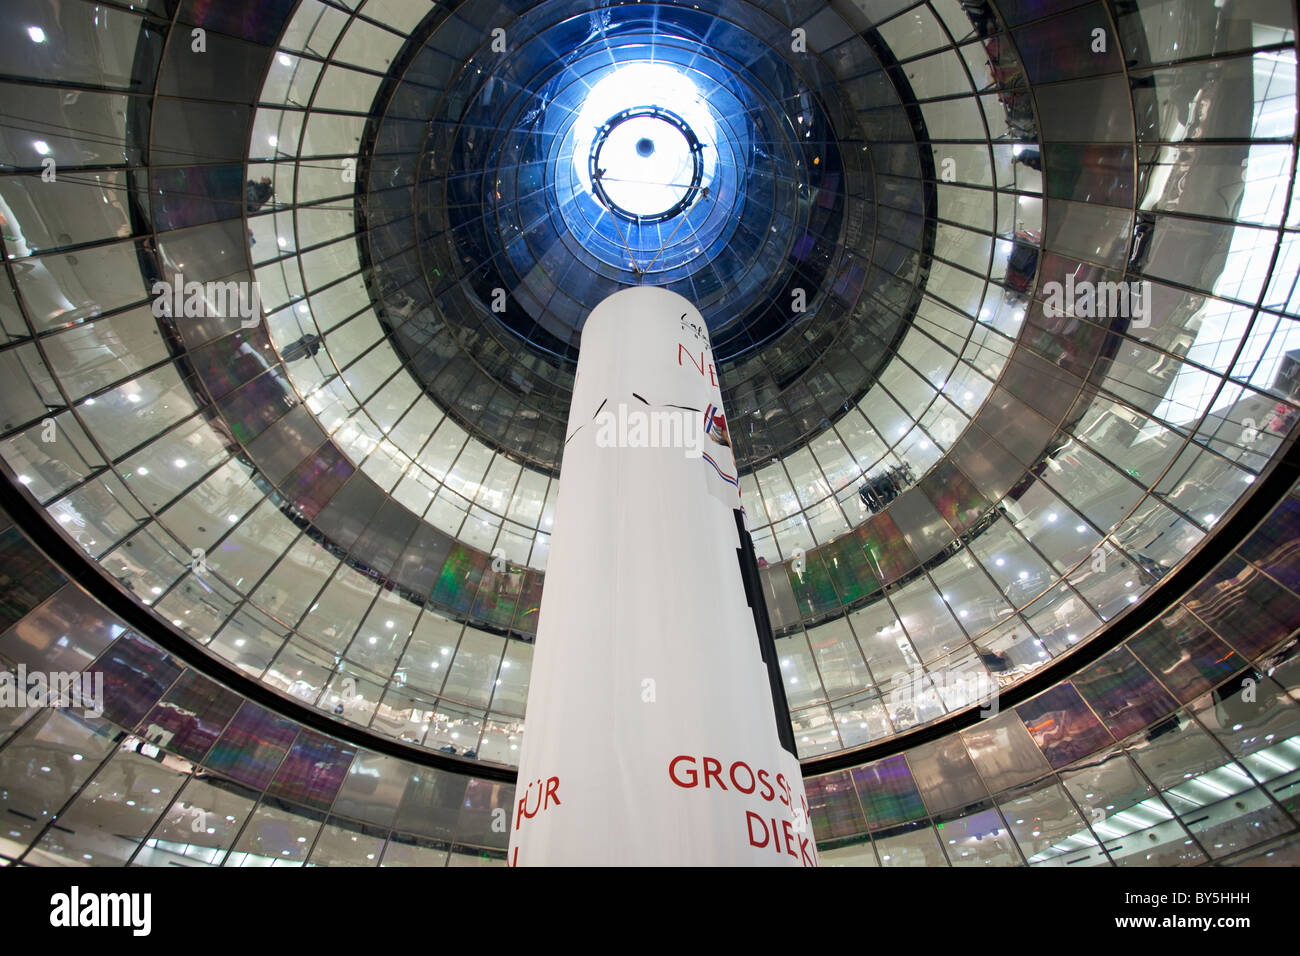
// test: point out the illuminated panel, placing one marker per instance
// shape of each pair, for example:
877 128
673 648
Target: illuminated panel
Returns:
258 404
260 22
459 580
812 587
231 361
1104 173
190 716
313 483
833 806
1275 545
849 282
313 771
27 577
1123 693
886 548
1067 343
953 496
849 569
252 746
1248 610
498 595
530 600
192 195
1188 658
1062 725
135 675
888 793
1051 54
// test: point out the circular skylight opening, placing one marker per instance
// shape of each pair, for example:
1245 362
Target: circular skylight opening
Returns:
644 142
646 164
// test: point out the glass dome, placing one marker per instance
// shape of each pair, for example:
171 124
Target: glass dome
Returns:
958 474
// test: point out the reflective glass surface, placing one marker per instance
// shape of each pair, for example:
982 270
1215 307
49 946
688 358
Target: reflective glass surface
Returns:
1004 328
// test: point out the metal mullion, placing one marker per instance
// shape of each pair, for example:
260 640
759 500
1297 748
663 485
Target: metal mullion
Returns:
113 752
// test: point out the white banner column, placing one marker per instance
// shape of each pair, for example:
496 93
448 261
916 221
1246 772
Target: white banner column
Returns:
656 731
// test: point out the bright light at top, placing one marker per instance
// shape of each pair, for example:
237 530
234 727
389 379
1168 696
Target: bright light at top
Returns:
37 34
647 162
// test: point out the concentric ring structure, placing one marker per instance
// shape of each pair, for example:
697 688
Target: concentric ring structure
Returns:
305 547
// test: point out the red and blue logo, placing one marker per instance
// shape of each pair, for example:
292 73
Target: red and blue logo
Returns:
715 425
